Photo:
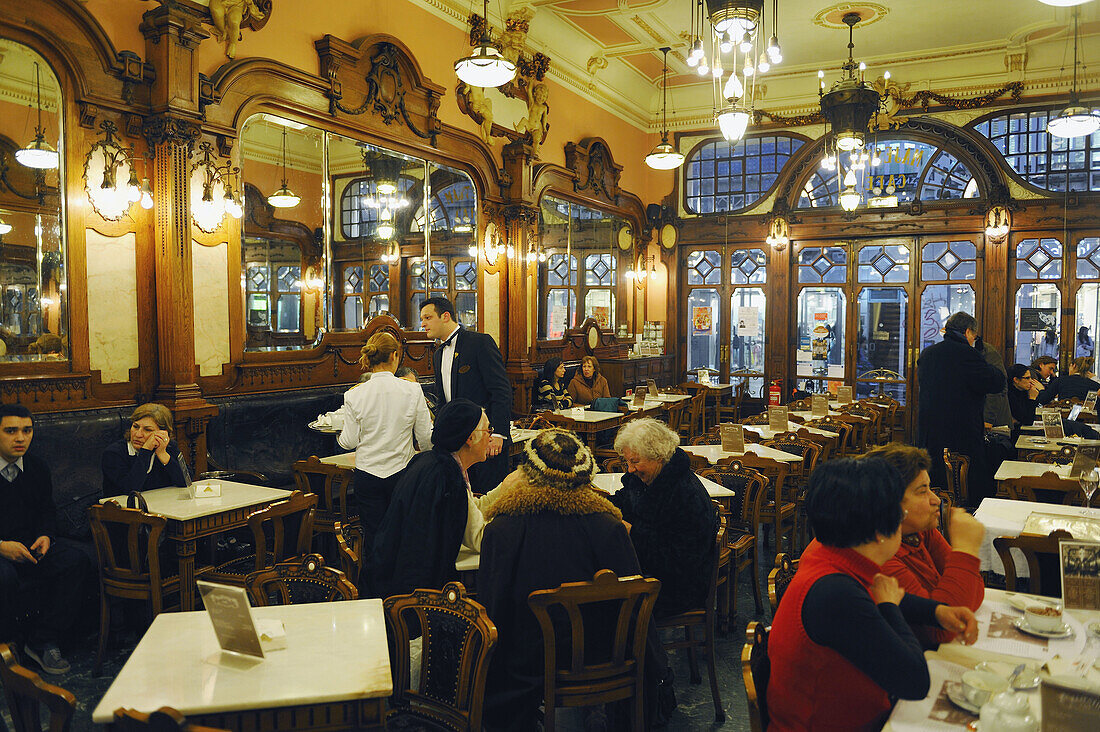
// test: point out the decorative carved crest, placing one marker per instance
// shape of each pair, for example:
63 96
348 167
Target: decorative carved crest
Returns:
595 171
380 73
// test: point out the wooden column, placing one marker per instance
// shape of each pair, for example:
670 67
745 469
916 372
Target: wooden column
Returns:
781 337
519 216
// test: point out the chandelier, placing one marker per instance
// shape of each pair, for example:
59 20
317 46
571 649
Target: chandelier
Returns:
1075 120
485 67
385 171
38 153
664 156
284 197
736 17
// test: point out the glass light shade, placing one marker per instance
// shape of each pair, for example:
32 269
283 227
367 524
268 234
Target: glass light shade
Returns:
387 189
849 199
763 65
233 208
664 157
693 61
472 251
774 52
1073 121
146 194
485 67
5 227
733 89
385 230
733 121
284 198
746 43
38 154
1063 3
133 189
847 140
850 179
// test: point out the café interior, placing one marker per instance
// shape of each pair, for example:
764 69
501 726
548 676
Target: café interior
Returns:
745 204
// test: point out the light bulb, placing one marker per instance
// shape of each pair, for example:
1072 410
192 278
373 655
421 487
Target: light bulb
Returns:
697 48
531 256
703 68
885 74
146 193
716 71
748 70
774 52
472 250
692 61
762 65
746 43
542 256
727 43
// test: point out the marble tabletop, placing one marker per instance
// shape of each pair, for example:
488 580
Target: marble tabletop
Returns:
1006 517
336 651
612 482
714 453
1036 442
588 415
808 414
1021 469
768 433
177 504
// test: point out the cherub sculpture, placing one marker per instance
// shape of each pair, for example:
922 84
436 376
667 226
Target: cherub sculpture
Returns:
227 16
537 121
514 37
480 108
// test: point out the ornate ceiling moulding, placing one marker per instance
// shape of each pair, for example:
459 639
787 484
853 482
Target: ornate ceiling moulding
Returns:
832 17
381 75
595 172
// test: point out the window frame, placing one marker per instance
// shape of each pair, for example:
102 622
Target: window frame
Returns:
803 140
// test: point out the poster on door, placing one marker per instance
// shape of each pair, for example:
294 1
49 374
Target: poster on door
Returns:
701 321
748 322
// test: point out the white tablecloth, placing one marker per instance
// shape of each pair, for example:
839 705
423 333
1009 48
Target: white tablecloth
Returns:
1003 517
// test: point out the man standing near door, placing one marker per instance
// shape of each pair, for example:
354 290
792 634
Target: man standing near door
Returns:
468 365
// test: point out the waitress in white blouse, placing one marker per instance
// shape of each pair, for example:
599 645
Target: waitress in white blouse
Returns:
382 415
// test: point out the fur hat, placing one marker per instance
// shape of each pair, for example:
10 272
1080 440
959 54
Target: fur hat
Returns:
557 459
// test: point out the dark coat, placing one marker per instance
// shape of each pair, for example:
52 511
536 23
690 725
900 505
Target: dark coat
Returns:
421 532
673 525
1070 386
1023 407
477 374
26 504
539 538
952 381
124 473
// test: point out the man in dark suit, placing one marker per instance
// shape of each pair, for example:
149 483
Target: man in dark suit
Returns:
953 379
468 365
30 551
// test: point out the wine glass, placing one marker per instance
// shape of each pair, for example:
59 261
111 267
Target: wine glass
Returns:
1089 479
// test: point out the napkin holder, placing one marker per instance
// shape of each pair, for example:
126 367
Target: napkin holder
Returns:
205 490
272 634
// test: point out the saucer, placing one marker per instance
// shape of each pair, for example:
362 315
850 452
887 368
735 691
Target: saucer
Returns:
1022 602
954 693
1025 627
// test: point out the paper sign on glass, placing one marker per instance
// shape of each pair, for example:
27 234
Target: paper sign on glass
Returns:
733 438
777 419
819 404
1090 401
1080 574
844 395
1052 426
231 616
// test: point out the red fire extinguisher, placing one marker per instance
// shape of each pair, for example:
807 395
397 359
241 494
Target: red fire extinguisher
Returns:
775 393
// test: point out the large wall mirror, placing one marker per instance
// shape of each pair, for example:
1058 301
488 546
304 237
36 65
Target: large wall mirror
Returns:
372 232
33 270
579 261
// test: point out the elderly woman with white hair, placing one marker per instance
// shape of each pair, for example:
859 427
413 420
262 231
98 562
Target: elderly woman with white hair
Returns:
671 519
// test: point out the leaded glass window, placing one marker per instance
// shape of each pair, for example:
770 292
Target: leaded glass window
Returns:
822 265
724 177
1044 161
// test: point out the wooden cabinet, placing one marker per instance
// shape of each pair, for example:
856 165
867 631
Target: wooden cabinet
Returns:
626 373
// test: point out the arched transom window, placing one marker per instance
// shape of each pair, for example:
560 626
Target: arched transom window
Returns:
724 177
1044 161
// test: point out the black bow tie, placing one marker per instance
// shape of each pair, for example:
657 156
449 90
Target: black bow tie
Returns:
450 338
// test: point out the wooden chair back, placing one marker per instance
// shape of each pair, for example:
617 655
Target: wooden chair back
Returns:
534 422
1061 456
330 484
349 545
958 469
127 544
573 677
697 462
614 465
779 578
947 502
1032 547
694 415
300 581
458 641
808 450
800 405
891 407
676 413
283 529
844 429
748 487
774 471
165 719
27 693
1046 488
756 668
872 429
761 418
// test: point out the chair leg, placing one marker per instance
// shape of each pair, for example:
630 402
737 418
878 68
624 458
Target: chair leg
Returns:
756 584
708 630
104 628
693 657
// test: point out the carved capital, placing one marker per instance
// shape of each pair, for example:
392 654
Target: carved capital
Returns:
176 21
163 129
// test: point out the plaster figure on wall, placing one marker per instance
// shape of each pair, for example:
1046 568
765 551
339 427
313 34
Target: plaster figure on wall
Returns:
537 121
480 108
514 37
227 16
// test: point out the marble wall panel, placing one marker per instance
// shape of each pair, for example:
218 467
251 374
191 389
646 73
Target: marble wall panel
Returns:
112 305
211 283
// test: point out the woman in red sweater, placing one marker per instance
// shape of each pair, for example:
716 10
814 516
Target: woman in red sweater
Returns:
840 644
926 564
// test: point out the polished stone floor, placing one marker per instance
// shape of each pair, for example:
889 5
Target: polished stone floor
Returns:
695 709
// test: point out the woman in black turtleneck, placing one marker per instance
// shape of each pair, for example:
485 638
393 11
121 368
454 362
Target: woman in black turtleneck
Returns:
1022 393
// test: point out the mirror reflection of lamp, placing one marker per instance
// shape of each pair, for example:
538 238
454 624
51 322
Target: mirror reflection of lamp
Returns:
385 224
5 227
210 209
284 197
38 153
778 233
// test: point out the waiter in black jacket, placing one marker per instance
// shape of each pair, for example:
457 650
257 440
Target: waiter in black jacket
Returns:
468 365
30 550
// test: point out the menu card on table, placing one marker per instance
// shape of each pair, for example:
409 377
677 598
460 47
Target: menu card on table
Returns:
651 388
1090 401
1084 459
844 395
777 419
639 397
819 406
231 616
1080 574
1052 426
733 438
703 377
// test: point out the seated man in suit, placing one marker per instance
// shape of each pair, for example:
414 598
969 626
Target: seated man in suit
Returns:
30 551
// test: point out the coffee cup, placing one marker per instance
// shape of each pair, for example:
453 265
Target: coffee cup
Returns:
979 686
337 420
1044 618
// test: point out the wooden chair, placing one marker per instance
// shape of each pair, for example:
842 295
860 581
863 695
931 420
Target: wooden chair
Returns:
800 405
279 531
27 693
1046 488
697 462
890 407
614 465
947 502
779 578
676 413
1033 547
300 581
761 418
701 618
330 484
165 719
732 412
574 681
756 668
534 422
127 544
958 469
458 639
349 545
844 429
748 487
869 426
811 453
1061 456
776 510
691 425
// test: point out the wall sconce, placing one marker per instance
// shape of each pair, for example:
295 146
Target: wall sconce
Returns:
778 233
212 193
110 163
493 247
645 267
998 222
5 227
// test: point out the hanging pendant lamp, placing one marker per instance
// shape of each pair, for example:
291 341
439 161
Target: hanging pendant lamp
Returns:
664 156
1075 120
485 67
38 153
284 197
